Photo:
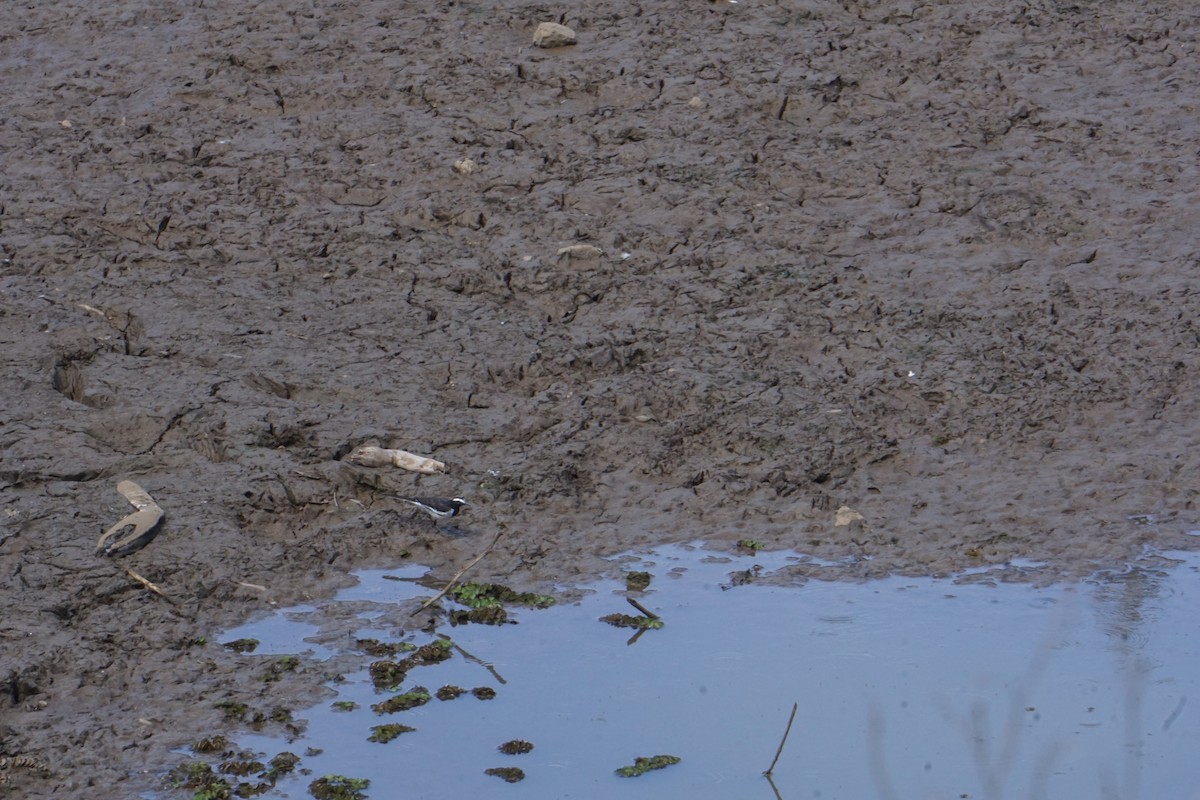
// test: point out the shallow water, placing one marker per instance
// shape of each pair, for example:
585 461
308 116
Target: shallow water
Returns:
906 689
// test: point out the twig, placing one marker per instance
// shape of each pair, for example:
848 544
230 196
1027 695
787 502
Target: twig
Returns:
445 590
148 585
641 608
782 741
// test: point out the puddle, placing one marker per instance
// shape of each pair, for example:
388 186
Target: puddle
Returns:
906 689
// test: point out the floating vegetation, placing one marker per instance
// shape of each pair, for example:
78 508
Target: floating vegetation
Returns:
432 653
743 577
484 615
337 787
642 765
449 692
387 674
509 774
516 747
378 649
344 705
277 668
629 621
478 595
211 744
281 765
750 544
242 645
637 581
484 692
419 696
385 733
199 777
242 767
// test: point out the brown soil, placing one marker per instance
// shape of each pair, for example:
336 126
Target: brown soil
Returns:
934 261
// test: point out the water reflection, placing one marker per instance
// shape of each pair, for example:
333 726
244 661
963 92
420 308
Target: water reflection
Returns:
906 689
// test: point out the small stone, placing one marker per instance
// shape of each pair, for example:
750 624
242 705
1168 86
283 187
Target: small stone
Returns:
551 34
696 103
465 166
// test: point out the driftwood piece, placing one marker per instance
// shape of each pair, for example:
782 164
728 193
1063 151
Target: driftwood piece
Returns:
371 456
134 530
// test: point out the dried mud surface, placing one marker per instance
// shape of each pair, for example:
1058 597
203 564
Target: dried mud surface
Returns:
934 261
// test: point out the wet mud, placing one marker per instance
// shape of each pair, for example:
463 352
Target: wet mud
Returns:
714 272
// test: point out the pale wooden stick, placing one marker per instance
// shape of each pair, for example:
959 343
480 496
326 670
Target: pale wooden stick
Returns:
150 586
454 580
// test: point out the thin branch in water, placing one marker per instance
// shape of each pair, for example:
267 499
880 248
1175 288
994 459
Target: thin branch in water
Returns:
782 741
641 608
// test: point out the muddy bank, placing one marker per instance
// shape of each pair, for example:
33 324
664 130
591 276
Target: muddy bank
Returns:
934 263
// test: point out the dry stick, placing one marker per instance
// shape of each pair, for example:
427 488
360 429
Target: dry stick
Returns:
454 580
782 741
148 585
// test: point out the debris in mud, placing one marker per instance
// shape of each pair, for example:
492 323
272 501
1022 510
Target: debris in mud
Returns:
385 733
579 251
242 645
630 621
552 34
516 747
742 577
749 545
643 765
846 516
135 530
509 774
233 709
9 763
449 692
277 668
484 693
211 744
372 456
637 581
338 787
419 696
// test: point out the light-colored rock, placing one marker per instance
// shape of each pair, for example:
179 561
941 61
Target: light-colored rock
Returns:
465 166
551 34
697 103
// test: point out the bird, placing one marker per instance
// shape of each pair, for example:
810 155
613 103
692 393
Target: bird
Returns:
438 508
